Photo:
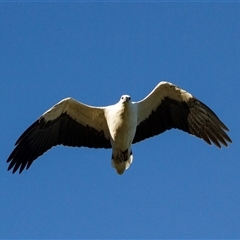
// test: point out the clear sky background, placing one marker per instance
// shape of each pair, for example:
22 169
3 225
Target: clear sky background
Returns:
178 186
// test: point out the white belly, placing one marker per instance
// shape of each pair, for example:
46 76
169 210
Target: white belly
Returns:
122 124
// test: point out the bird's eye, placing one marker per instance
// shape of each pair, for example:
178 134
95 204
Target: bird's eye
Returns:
129 98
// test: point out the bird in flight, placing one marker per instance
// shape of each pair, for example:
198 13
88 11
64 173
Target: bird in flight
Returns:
118 126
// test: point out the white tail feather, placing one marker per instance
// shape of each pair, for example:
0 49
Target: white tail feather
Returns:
122 166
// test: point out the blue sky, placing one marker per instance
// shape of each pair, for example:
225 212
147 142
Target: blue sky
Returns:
177 186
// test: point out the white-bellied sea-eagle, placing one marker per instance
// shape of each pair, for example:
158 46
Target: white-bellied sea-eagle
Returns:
118 126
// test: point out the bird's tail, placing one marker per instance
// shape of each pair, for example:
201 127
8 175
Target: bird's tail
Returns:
122 165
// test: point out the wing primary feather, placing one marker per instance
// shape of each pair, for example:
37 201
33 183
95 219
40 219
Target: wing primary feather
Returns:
212 137
203 108
204 136
219 133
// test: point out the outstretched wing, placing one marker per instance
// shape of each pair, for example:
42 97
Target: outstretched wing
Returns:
69 123
168 106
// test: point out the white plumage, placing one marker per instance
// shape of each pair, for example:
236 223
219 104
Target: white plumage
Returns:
118 126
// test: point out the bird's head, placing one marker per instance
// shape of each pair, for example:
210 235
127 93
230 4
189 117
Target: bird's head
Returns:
125 99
